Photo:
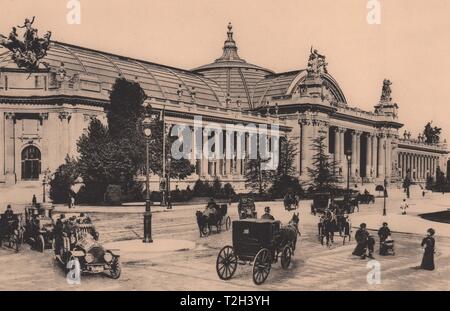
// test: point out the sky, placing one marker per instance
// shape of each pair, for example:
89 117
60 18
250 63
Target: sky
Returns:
411 45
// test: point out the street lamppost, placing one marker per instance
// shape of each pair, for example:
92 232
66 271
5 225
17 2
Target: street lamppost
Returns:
169 199
348 155
147 123
385 179
45 181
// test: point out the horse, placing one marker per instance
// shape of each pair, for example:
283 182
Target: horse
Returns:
206 221
327 226
289 200
344 226
289 232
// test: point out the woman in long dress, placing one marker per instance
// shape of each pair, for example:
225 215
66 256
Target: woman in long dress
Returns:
428 243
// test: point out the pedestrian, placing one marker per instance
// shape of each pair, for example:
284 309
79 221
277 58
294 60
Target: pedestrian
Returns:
404 206
34 200
428 244
384 233
365 242
72 201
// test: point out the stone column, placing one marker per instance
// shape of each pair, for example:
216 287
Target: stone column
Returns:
374 155
342 153
306 149
358 152
10 148
337 146
388 163
354 155
381 155
368 155
205 156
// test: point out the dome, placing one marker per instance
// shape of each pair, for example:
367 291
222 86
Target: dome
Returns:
235 76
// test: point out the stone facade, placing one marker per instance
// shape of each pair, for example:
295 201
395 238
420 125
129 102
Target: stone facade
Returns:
44 112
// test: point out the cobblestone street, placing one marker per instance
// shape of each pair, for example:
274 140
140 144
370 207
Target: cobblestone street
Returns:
314 266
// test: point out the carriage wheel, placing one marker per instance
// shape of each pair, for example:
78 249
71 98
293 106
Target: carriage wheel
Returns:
228 223
226 263
261 266
286 256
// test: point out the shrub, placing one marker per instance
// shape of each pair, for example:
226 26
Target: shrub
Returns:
113 195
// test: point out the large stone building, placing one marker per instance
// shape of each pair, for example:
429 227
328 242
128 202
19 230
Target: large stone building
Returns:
45 110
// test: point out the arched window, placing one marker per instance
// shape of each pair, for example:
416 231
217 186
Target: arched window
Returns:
31 163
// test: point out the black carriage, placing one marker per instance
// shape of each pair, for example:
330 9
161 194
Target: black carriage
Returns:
247 208
39 226
365 198
258 242
290 201
214 216
11 231
320 202
341 206
76 241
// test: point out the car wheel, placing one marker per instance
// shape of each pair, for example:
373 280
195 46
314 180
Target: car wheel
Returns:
116 269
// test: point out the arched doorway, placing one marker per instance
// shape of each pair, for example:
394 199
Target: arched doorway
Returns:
31 163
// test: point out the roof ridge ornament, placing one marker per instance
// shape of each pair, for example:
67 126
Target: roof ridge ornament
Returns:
316 64
230 48
29 52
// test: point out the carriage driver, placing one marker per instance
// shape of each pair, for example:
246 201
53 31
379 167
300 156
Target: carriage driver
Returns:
211 208
267 214
9 214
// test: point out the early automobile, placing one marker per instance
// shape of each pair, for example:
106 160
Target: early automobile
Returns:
259 242
247 208
11 231
39 226
76 240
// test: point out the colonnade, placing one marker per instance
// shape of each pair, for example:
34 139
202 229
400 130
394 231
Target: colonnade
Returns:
418 165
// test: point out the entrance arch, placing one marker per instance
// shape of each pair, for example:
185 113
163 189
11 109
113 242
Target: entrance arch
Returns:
31 163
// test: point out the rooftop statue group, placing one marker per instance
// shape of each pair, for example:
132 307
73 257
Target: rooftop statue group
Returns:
27 53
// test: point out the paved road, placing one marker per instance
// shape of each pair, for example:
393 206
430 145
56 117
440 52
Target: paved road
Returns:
314 267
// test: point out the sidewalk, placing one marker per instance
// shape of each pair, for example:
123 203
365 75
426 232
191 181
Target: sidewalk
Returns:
412 222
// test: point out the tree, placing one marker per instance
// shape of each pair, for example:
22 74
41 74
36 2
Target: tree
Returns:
285 178
407 183
323 173
179 168
440 179
256 177
432 134
62 181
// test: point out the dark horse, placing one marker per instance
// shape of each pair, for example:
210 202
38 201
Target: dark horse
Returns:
289 200
207 220
289 233
329 224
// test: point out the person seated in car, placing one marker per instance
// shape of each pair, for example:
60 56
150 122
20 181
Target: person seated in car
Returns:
366 192
267 214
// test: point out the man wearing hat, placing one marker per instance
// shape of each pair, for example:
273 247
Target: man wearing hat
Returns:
267 214
9 214
384 232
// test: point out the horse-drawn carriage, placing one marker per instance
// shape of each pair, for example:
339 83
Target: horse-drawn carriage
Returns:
247 208
215 215
320 203
290 201
365 198
331 223
261 242
39 226
11 231
76 243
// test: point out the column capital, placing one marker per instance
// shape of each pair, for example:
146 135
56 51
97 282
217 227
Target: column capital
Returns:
10 115
65 115
44 116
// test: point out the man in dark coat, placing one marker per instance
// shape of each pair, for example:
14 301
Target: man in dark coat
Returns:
428 243
9 214
267 214
384 232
